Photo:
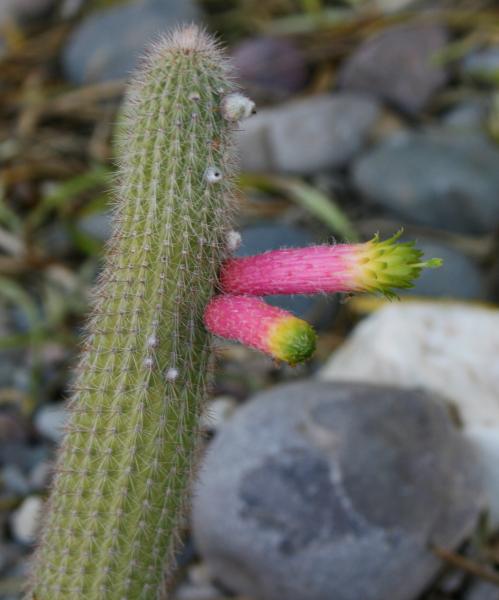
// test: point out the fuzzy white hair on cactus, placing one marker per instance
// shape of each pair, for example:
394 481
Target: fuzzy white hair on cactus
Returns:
237 106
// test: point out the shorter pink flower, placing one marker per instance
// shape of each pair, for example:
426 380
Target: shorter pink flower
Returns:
256 324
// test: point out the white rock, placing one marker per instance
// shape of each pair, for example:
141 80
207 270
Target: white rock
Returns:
50 421
452 349
25 520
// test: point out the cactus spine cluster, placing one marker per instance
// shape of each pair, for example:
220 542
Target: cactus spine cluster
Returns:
123 468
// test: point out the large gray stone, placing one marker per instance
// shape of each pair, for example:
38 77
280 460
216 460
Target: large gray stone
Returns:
397 65
108 44
314 491
307 136
444 179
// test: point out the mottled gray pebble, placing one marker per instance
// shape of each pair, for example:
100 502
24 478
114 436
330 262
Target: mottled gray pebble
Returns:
314 488
307 136
441 178
108 43
397 65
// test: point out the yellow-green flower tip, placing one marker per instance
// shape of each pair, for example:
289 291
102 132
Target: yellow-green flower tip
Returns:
388 265
292 340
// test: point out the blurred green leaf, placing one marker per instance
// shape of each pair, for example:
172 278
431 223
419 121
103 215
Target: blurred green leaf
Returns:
307 196
93 178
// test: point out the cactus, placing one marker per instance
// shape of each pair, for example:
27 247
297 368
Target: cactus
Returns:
123 470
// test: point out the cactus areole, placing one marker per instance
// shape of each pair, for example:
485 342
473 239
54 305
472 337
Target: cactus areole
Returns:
123 470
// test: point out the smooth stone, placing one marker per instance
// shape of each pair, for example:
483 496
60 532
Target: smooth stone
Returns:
459 278
307 136
97 226
22 454
50 421
397 65
451 349
189 591
259 238
40 476
482 590
312 489
482 66
25 520
14 481
269 68
440 178
108 44
469 114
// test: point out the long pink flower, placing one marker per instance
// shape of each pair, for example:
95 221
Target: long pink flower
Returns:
369 267
259 325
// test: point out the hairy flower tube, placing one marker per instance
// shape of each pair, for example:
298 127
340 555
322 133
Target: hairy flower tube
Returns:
374 266
256 324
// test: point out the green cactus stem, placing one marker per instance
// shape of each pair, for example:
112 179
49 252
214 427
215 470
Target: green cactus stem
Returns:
123 470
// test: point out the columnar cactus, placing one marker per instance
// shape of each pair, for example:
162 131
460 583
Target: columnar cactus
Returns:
122 471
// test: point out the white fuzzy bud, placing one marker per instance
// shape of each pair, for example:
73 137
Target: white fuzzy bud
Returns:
233 240
236 106
171 374
213 175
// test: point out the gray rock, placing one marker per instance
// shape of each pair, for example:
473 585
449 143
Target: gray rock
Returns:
259 238
469 114
41 475
482 590
314 491
307 136
50 421
97 226
397 65
269 68
14 481
459 278
482 66
108 44
441 178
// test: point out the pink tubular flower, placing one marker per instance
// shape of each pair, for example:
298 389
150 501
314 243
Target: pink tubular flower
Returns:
259 325
374 266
